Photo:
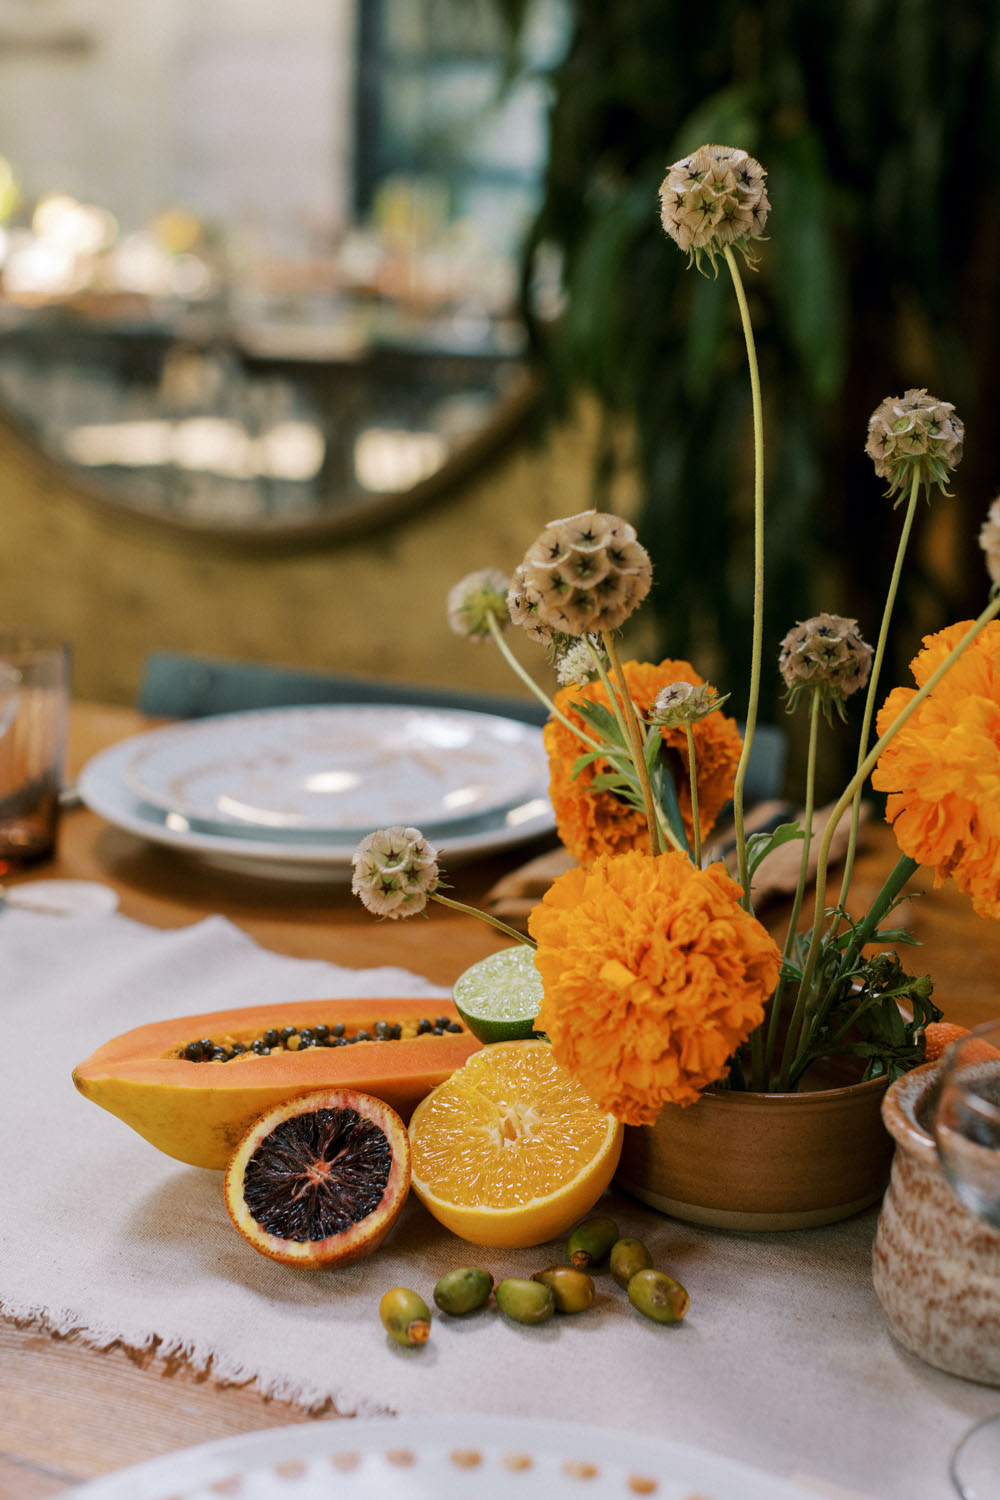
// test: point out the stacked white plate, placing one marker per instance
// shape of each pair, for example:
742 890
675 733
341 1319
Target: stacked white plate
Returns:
289 792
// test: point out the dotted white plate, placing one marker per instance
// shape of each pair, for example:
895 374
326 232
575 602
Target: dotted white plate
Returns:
438 1459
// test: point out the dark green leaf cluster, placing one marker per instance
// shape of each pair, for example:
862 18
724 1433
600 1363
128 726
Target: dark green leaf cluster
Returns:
865 1005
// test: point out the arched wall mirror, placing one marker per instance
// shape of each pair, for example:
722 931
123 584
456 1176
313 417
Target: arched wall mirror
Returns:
258 263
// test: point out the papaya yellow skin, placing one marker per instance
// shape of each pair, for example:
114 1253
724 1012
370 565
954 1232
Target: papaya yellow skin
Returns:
197 1112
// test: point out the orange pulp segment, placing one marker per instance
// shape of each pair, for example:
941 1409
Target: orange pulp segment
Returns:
510 1151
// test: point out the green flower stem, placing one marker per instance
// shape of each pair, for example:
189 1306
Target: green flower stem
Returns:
858 780
667 834
758 575
530 682
613 699
800 888
890 601
693 775
484 916
635 735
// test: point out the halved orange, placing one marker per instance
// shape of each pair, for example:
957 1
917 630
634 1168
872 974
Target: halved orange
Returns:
509 1151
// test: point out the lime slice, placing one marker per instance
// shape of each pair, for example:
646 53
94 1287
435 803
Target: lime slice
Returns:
498 997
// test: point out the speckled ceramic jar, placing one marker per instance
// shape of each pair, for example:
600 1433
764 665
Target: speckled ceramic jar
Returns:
936 1266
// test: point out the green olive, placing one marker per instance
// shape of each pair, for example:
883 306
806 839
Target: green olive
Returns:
573 1290
628 1256
658 1296
464 1290
405 1316
590 1242
525 1301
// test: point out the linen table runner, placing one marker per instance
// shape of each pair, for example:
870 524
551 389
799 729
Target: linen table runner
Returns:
783 1361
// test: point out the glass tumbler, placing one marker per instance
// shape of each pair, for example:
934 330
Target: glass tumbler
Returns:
32 744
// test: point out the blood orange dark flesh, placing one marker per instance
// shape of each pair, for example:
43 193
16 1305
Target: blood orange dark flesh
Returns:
320 1180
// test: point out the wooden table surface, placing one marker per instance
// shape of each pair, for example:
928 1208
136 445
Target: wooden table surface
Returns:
68 1412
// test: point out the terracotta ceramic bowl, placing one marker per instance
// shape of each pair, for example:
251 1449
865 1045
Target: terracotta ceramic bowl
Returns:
765 1161
936 1266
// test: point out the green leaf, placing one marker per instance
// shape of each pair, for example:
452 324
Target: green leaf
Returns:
665 792
611 783
760 845
590 758
896 935
602 720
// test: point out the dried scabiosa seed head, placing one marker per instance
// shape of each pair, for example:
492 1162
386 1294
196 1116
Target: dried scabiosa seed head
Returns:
523 609
395 870
989 540
474 600
713 198
683 703
583 575
826 653
914 435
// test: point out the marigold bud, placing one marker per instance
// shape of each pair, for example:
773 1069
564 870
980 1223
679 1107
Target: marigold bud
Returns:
826 653
713 198
914 434
476 598
584 574
989 540
395 869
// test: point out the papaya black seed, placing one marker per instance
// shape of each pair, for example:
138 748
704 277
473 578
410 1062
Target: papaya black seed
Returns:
296 1039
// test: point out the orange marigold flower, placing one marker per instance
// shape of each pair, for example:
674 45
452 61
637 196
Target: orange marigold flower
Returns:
653 976
942 770
597 822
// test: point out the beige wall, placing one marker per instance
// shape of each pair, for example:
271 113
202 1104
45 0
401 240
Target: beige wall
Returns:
119 587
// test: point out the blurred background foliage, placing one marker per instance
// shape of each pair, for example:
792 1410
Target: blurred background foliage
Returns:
877 122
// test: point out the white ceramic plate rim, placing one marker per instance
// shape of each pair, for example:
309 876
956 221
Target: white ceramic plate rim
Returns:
678 1469
510 752
102 790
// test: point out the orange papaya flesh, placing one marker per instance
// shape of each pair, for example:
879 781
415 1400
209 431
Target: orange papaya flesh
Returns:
198 1111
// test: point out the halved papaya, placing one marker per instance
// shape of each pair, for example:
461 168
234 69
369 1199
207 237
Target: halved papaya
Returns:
194 1086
